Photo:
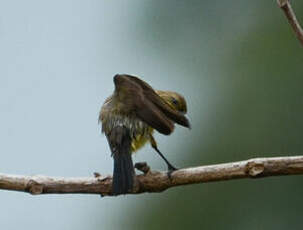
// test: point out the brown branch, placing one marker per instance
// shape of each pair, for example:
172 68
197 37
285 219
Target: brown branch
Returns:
154 181
289 13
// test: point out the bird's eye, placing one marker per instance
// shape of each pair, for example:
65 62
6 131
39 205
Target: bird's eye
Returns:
174 101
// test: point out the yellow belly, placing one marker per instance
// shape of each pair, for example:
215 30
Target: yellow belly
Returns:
140 140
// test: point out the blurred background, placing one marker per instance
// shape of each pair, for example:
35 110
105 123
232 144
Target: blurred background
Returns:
238 64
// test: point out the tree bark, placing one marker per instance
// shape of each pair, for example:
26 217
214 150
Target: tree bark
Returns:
155 181
291 17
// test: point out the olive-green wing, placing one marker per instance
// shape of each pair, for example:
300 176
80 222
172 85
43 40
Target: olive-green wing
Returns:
153 97
134 99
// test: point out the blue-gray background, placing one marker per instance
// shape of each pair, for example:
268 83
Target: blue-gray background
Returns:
237 63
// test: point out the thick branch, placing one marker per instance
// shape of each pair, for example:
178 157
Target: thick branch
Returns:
154 181
289 13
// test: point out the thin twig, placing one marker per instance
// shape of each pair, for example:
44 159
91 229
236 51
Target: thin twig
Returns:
287 9
154 181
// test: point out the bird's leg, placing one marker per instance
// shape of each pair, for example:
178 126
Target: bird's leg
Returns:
170 167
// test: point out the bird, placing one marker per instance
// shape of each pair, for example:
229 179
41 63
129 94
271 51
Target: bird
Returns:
129 117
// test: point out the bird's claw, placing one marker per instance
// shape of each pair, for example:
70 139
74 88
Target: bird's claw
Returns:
143 167
171 169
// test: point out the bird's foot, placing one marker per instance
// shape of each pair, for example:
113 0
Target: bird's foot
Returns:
170 170
143 167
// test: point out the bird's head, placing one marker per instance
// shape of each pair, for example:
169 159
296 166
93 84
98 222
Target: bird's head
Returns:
174 100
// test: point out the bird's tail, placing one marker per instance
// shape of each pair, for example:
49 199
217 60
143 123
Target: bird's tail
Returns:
123 178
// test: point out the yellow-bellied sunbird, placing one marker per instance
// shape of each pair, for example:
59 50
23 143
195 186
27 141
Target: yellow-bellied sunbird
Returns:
129 117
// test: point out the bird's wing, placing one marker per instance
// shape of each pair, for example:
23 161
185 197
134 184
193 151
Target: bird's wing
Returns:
154 117
134 98
154 102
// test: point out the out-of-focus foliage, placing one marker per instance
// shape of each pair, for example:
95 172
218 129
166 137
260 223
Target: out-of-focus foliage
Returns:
238 63
240 66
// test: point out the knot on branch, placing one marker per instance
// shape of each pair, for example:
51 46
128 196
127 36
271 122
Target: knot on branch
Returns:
34 188
254 169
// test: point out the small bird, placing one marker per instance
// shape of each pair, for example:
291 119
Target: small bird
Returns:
129 117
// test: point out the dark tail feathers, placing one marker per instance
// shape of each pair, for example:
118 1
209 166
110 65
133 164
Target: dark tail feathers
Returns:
123 178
